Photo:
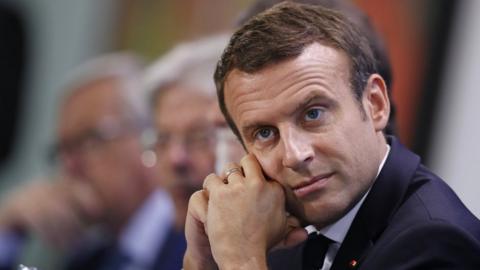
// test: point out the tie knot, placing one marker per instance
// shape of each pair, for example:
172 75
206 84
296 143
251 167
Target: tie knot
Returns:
319 238
314 251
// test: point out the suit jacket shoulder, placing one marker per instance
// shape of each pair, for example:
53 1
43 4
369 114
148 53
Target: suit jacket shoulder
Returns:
410 219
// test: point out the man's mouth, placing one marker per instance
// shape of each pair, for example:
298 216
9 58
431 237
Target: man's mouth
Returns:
314 184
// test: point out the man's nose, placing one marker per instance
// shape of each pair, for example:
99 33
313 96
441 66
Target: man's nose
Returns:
178 153
73 165
298 150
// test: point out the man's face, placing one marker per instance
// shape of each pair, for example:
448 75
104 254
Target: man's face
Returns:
307 130
100 146
185 139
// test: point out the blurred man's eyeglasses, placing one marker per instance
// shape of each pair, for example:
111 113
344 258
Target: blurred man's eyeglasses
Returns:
95 139
194 140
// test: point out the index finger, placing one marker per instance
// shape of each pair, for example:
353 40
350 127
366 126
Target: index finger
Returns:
251 168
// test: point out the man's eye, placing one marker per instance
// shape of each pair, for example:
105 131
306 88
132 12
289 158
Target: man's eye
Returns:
313 114
162 139
264 134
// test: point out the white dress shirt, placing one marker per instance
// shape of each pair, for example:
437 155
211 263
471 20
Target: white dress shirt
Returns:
147 230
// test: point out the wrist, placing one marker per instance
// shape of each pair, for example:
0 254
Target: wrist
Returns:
252 263
192 262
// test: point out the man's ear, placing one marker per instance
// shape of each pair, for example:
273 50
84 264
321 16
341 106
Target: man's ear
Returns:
376 102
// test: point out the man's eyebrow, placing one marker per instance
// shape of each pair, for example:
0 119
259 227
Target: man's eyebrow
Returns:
311 98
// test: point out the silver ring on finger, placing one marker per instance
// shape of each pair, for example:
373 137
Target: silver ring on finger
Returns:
230 172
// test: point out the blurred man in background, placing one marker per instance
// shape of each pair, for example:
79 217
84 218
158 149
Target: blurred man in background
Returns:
102 144
182 95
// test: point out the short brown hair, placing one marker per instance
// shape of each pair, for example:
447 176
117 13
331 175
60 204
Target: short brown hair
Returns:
283 32
362 21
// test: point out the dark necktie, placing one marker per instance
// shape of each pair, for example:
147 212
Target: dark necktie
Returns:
314 251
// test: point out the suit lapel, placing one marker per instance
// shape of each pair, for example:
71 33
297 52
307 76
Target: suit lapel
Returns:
384 198
170 256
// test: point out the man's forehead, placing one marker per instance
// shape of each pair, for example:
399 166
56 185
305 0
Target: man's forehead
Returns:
182 108
180 93
90 104
326 63
103 92
315 52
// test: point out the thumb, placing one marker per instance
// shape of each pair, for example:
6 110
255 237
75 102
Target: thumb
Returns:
295 232
294 235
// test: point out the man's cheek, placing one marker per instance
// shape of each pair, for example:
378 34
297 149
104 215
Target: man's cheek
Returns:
269 168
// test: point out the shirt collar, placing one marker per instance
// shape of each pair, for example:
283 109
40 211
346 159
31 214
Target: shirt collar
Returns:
148 228
338 230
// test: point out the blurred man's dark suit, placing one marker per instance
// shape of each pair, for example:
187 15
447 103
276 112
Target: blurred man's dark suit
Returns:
410 220
153 233
106 256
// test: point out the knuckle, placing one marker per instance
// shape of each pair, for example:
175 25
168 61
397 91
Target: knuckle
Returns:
196 197
231 165
209 177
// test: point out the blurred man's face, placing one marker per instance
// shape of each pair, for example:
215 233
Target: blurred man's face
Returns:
100 145
185 143
307 130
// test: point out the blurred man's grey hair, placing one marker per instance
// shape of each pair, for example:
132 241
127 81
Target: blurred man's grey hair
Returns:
189 64
126 67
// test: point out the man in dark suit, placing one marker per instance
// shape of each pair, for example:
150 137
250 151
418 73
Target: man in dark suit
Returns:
106 139
420 224
299 85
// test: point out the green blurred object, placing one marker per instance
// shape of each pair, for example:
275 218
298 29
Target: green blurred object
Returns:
38 255
151 27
